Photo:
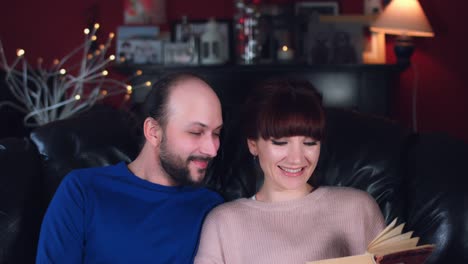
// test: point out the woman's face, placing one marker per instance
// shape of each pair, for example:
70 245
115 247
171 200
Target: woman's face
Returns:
287 162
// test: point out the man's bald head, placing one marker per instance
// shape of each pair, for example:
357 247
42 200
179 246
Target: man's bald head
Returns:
157 103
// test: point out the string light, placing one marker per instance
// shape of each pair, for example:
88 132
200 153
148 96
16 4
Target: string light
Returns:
66 88
20 52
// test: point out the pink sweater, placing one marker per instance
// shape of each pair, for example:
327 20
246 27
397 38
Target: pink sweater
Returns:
327 223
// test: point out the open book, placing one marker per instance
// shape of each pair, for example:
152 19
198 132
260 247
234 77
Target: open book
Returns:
389 247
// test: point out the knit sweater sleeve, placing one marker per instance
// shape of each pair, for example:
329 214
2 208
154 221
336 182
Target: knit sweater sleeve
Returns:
369 224
61 237
210 249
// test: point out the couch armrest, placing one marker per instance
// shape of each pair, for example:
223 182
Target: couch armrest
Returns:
21 207
437 207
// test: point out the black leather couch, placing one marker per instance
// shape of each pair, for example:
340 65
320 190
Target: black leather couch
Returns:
418 178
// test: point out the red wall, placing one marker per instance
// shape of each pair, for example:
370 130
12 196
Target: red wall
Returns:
51 28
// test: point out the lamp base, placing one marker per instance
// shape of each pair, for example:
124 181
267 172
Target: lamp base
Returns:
404 48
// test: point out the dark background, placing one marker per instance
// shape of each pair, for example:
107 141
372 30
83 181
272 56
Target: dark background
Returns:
51 28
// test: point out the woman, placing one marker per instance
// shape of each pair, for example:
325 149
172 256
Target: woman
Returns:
288 220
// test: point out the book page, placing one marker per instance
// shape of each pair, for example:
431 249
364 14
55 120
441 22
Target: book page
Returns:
391 233
385 231
402 246
395 241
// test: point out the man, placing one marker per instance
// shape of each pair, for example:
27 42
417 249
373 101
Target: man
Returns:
150 211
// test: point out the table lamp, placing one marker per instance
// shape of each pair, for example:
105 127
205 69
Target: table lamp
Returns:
406 19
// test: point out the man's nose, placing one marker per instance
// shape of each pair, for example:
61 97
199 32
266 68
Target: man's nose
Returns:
210 146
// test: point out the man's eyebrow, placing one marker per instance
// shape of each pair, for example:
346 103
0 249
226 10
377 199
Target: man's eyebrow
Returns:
204 125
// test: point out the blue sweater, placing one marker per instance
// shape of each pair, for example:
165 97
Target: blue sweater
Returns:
109 215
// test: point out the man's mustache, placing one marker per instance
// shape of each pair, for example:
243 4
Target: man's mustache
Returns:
199 158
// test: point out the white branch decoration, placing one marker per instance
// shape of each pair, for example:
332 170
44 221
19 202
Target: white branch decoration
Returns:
58 92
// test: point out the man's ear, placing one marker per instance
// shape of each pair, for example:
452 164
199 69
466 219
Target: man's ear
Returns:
153 131
252 144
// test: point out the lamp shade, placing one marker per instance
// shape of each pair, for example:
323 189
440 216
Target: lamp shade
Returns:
403 17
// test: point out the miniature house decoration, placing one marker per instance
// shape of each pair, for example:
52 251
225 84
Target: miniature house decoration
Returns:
212 45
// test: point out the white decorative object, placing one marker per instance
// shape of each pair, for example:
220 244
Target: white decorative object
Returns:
285 54
46 94
212 45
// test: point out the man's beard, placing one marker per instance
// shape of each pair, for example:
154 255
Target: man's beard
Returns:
177 169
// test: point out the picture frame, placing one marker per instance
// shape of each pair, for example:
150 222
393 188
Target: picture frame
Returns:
373 50
333 43
144 12
198 28
138 45
180 53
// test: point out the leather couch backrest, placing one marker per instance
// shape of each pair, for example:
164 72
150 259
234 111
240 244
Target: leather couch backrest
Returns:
98 137
359 151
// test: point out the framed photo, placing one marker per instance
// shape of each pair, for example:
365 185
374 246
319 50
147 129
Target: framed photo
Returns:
138 44
316 8
374 42
180 53
198 28
333 43
144 11
324 46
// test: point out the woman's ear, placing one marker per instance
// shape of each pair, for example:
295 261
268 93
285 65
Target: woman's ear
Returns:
152 131
252 144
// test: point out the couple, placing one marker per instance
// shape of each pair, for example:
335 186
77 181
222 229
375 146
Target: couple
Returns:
153 209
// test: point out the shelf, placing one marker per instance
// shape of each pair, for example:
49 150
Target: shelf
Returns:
159 68
362 87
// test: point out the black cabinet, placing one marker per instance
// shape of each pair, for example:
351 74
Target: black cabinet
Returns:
365 88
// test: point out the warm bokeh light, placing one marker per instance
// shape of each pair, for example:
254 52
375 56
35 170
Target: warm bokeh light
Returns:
20 52
77 97
63 71
105 72
285 48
